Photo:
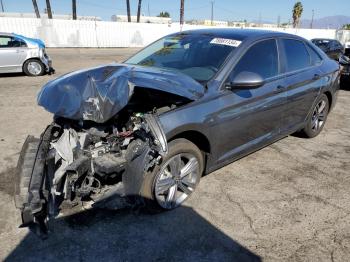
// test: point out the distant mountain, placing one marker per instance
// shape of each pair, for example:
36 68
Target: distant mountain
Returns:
331 22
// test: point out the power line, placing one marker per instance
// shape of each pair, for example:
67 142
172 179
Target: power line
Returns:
312 18
212 13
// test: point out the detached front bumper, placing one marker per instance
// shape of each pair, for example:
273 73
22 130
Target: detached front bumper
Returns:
31 189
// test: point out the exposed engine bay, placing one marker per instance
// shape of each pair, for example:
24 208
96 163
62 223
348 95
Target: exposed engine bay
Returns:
75 162
106 135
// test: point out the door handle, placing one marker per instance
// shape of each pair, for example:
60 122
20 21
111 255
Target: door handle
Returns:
316 77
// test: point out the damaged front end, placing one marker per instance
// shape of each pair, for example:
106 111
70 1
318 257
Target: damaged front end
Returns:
105 136
76 163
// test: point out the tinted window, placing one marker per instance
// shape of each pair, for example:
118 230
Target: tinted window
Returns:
338 45
262 59
18 43
315 57
296 54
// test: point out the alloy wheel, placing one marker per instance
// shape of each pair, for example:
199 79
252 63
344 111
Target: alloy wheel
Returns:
34 68
176 180
319 115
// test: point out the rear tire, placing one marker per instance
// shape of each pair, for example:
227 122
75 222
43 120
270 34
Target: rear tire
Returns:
33 67
317 118
175 179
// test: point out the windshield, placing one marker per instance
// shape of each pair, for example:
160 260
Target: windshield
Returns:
198 56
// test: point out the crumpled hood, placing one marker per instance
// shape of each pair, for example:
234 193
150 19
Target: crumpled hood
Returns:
97 94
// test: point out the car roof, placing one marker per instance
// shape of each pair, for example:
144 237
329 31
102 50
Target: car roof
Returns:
6 34
324 39
239 34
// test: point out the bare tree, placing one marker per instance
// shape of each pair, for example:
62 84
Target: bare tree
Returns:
36 9
182 12
48 8
74 9
128 10
139 11
2 6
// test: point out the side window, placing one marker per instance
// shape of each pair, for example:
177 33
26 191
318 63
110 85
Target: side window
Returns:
5 41
316 59
261 58
338 45
296 54
18 43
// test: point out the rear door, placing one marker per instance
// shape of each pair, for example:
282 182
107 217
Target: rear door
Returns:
250 118
303 81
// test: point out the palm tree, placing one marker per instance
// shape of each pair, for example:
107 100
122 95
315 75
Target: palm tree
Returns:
297 11
346 27
48 8
36 9
139 11
74 9
128 10
182 12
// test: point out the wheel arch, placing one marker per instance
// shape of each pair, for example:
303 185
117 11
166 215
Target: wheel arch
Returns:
196 137
330 98
200 140
31 58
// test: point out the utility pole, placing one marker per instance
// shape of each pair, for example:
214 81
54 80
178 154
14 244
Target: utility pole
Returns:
139 11
212 13
128 10
74 9
312 18
2 6
182 12
278 21
149 13
36 9
48 8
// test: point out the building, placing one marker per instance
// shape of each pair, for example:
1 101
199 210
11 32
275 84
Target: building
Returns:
54 16
215 23
143 19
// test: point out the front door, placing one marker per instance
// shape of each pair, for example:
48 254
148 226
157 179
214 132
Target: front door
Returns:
250 118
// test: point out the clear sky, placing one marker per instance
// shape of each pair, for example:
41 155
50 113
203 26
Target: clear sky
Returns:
269 10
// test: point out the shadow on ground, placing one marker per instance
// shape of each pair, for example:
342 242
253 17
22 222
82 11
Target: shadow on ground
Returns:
11 74
345 83
107 235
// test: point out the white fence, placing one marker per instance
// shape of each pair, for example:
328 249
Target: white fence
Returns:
68 33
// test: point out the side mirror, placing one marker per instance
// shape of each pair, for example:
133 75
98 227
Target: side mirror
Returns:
246 80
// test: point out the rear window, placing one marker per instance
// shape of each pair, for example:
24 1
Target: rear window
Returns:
297 56
316 59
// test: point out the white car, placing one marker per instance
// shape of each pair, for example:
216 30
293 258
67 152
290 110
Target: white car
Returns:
22 54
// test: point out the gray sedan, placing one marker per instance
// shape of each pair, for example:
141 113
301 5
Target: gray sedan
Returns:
22 54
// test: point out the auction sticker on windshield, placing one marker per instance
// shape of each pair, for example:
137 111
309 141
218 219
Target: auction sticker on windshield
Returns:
225 41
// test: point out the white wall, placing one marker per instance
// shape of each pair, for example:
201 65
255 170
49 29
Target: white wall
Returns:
68 33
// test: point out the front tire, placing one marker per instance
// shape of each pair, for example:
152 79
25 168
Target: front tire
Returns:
176 178
317 118
33 67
